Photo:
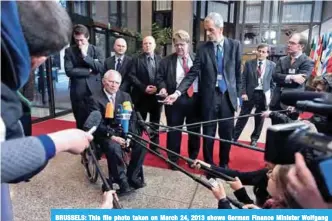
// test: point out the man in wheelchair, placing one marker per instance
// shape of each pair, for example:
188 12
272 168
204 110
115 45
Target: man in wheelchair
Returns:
110 139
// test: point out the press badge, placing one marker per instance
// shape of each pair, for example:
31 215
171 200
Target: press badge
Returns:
291 71
219 77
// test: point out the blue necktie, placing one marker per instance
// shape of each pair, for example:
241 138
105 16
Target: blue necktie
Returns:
118 65
221 78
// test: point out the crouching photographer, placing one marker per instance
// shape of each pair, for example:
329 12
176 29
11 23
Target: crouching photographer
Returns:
287 142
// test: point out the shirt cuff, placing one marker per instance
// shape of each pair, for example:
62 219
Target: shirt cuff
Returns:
288 79
49 146
178 93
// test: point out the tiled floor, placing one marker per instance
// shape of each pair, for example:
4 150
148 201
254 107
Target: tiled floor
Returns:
62 184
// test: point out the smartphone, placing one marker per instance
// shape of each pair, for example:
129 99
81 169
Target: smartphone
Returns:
213 182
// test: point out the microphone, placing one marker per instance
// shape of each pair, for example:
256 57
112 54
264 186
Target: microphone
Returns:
142 123
314 107
124 114
92 122
109 113
290 98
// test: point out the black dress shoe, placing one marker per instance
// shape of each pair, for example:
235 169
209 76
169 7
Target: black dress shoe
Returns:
209 176
124 188
136 184
253 143
172 167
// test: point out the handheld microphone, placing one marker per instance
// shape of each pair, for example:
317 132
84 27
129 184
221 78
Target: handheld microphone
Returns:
91 125
92 122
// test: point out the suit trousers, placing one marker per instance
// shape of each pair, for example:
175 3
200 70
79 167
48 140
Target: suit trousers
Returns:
258 101
151 106
115 163
184 108
222 109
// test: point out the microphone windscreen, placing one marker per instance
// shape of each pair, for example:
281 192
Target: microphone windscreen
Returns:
94 119
290 98
109 113
127 106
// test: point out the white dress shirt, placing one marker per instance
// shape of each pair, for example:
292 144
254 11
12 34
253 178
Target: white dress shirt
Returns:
111 97
116 60
180 73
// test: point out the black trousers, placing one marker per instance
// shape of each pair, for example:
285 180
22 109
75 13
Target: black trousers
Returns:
184 108
151 106
258 101
222 109
116 164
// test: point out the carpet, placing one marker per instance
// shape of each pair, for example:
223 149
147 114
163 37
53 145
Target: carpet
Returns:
240 158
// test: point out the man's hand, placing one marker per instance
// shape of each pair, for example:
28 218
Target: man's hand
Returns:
150 89
169 100
197 164
119 140
163 92
84 50
219 191
298 78
266 114
244 97
302 185
250 206
74 141
108 198
235 185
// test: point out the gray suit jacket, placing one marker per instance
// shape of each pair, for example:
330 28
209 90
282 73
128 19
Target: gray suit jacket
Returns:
250 78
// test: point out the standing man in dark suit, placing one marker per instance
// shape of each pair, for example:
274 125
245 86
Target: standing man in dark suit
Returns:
257 87
111 143
292 70
83 65
120 62
143 79
172 70
218 62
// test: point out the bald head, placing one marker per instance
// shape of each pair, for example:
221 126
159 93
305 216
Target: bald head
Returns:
149 44
120 46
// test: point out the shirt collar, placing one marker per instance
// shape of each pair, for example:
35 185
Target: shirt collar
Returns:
152 56
109 95
221 42
298 55
117 57
263 61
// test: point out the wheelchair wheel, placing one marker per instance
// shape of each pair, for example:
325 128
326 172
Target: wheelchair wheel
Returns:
90 167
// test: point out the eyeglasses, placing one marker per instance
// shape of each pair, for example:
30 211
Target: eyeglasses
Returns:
292 43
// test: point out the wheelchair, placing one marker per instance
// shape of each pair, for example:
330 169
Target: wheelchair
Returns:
91 170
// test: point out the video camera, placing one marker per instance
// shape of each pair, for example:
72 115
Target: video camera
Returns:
284 140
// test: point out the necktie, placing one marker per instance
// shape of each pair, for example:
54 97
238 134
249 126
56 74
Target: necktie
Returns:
259 69
186 69
118 65
152 68
221 78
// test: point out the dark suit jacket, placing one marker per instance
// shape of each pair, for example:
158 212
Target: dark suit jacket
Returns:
82 82
139 77
250 78
205 65
303 65
98 102
124 70
166 75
